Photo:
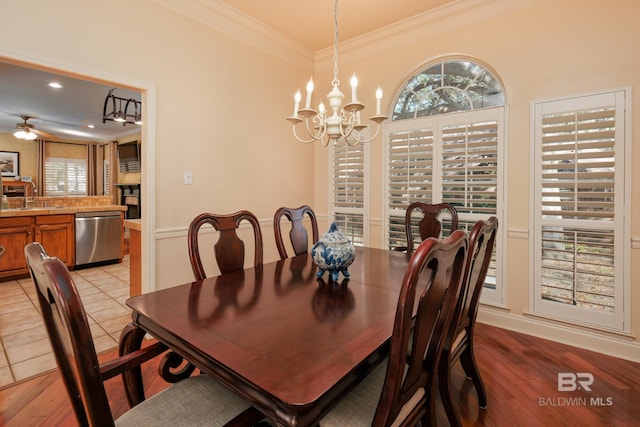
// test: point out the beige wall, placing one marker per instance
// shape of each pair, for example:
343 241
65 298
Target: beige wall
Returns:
540 51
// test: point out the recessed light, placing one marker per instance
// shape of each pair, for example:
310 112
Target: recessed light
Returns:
91 126
55 85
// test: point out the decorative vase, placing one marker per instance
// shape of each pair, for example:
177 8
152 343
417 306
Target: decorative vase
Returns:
334 252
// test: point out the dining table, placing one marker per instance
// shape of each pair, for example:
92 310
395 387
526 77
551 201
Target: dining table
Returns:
288 342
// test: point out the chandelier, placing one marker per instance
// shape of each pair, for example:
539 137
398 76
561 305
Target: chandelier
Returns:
118 113
341 122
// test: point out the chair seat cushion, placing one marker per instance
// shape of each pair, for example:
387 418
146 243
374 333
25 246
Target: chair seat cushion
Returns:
358 408
196 401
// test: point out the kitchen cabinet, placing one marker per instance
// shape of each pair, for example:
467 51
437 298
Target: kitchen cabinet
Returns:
54 232
15 233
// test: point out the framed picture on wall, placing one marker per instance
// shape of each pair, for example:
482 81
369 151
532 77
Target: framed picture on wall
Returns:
9 163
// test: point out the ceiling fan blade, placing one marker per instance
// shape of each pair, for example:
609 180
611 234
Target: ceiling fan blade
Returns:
45 134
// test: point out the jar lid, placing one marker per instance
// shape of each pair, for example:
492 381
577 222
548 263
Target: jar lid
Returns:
334 235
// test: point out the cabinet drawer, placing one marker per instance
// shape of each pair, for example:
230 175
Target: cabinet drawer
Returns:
54 219
16 221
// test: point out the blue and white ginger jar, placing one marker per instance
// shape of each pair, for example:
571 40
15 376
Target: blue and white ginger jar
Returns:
334 252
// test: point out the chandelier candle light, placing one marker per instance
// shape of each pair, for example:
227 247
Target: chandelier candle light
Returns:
344 122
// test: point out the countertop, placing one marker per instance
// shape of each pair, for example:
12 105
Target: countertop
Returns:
133 224
58 210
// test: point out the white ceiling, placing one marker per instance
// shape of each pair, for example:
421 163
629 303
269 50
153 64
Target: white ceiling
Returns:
65 113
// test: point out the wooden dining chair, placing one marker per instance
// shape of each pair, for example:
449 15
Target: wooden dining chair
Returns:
401 391
458 344
229 249
197 400
430 225
298 234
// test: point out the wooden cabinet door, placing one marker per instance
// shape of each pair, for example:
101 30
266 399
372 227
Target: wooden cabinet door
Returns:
14 236
55 234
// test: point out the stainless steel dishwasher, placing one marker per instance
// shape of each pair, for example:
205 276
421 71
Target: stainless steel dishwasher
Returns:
98 237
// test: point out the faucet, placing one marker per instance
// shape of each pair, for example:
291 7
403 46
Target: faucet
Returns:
34 190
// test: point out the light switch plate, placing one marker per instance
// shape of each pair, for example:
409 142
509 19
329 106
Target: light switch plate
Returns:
188 177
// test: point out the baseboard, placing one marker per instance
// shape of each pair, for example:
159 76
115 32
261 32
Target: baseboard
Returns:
594 341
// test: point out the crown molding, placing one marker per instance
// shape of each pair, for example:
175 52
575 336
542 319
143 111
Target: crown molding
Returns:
420 27
219 16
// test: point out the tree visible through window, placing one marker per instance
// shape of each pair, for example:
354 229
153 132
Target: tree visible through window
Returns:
446 87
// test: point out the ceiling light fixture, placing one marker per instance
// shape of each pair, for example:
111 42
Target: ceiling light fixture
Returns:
25 130
344 121
117 114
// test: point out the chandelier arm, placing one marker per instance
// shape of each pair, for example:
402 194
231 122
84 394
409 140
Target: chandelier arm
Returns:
304 141
363 140
312 136
322 127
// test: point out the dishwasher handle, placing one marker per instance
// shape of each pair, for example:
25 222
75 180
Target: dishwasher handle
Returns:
97 214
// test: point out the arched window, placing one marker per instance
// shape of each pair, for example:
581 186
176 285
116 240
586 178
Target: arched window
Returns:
433 156
446 87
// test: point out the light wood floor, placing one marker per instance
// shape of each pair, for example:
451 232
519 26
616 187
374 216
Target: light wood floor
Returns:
520 374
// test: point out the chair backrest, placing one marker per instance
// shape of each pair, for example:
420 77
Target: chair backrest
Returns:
482 239
431 224
70 336
433 278
298 234
229 249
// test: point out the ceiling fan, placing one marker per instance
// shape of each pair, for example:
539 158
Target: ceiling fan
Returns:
27 131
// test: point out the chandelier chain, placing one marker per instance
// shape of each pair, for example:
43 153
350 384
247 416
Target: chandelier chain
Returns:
335 81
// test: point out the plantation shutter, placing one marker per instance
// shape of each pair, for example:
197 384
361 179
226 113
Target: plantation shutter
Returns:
106 173
448 158
580 210
470 167
349 190
410 177
65 169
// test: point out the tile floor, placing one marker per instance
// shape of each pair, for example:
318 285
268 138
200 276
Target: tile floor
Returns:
25 348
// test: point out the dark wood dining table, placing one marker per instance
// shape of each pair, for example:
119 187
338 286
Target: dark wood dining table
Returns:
289 343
